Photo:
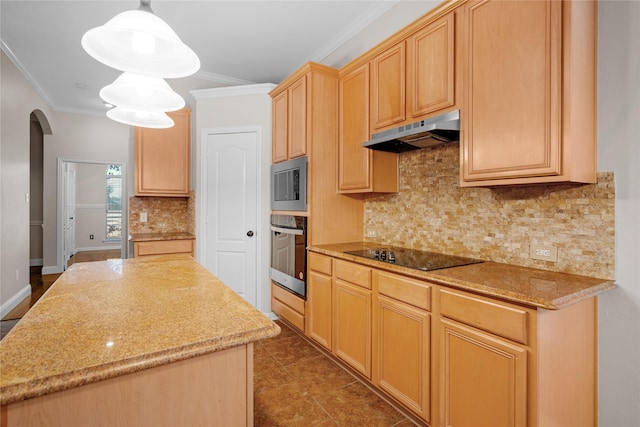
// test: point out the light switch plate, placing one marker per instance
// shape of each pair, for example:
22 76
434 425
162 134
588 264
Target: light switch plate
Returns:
143 217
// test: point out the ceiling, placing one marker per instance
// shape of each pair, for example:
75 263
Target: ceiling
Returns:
238 42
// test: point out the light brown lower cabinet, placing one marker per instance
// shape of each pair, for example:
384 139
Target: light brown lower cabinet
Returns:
402 353
163 247
454 358
352 325
288 306
484 378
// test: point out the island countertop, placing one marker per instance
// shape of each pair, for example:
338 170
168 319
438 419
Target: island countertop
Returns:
110 318
523 285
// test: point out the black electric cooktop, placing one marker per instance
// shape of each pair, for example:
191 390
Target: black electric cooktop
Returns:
420 260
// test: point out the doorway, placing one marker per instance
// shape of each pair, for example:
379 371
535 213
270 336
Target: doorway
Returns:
92 209
230 228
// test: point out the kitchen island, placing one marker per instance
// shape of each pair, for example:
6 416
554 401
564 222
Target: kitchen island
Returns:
153 341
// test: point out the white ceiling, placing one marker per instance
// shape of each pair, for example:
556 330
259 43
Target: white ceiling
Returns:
238 42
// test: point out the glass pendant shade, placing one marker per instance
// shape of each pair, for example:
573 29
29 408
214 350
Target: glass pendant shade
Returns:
145 119
136 92
137 41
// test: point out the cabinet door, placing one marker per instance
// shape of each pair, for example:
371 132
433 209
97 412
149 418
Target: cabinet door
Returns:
354 159
297 118
352 325
512 120
280 128
483 378
401 355
388 103
318 310
430 68
162 158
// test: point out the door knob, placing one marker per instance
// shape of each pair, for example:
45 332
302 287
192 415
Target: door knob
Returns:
250 233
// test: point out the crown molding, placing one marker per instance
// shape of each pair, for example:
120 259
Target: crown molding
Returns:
219 78
227 92
354 28
26 74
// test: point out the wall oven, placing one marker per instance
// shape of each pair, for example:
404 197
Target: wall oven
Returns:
288 253
289 185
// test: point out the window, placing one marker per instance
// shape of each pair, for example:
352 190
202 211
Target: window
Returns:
114 202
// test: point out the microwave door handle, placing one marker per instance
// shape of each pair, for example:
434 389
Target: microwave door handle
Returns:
287 230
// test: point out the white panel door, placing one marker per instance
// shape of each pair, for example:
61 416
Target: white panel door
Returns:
69 214
232 211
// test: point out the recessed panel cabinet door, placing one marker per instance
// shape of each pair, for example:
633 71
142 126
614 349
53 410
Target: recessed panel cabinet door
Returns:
355 160
511 126
280 128
162 158
430 67
483 379
402 353
352 325
388 102
318 308
298 118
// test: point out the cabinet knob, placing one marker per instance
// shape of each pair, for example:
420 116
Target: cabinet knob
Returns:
250 233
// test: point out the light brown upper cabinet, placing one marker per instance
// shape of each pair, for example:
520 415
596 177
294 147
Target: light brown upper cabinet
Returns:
415 78
360 170
163 157
388 87
431 68
290 121
529 93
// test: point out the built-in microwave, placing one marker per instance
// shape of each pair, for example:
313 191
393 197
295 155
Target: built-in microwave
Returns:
289 185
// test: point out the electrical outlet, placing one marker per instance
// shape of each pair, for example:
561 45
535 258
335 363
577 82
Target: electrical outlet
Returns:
90 236
143 217
371 233
543 253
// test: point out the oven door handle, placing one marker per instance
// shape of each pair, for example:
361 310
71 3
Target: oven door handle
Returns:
287 230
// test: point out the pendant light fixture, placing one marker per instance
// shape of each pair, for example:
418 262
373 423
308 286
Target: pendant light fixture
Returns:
148 51
139 42
136 92
147 119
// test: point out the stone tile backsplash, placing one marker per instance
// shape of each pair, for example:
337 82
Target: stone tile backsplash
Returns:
432 212
164 214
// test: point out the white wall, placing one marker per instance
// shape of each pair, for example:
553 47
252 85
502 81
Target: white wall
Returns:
18 100
80 138
619 151
242 106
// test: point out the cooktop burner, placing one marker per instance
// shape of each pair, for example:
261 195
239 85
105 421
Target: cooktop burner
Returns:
420 260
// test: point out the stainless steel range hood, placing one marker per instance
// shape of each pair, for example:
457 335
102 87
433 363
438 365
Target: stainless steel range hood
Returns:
425 133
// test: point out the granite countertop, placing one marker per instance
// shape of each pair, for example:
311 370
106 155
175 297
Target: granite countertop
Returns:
110 318
147 237
528 286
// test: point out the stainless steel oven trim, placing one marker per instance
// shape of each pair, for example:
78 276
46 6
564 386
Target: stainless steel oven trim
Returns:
283 230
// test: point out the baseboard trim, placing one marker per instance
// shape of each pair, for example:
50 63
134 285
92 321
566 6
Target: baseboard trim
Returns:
15 300
36 262
52 269
271 315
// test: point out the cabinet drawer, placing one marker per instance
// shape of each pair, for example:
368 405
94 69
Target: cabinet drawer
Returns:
320 263
499 318
288 298
287 313
404 289
353 273
159 247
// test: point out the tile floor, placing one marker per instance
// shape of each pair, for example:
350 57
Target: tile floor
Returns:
297 385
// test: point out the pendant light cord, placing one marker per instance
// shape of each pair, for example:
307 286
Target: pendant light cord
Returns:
145 6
